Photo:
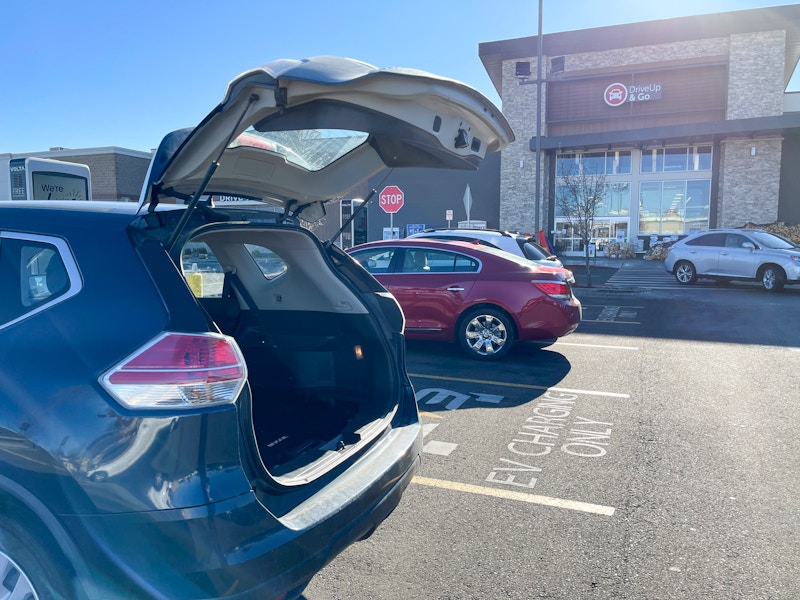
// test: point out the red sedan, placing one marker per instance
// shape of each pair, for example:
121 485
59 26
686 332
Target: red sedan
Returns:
484 298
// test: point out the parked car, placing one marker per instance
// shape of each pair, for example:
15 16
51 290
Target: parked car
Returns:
175 431
735 254
483 298
514 243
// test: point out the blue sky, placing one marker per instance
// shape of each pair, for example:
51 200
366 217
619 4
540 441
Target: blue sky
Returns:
86 73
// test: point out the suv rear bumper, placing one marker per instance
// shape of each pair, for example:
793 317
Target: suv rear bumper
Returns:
236 548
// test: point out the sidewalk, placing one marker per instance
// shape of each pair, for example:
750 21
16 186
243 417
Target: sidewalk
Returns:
602 268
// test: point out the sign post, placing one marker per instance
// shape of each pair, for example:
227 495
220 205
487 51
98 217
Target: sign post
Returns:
468 201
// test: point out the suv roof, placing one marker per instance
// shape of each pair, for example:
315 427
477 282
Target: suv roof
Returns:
516 243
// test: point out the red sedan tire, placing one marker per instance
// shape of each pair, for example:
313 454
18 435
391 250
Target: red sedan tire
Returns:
486 333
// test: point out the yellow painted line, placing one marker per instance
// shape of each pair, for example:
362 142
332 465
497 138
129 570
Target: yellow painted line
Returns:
527 386
423 413
596 509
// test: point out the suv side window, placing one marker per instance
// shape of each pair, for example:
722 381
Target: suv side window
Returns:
205 275
735 240
271 265
712 239
35 272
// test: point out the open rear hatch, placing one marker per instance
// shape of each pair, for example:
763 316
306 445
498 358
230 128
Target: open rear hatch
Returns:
326 376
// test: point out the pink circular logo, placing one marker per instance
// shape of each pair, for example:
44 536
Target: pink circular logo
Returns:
615 94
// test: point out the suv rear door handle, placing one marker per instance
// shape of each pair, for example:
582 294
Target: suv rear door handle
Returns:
455 289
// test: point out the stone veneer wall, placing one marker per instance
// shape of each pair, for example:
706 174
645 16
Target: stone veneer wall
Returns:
749 184
518 163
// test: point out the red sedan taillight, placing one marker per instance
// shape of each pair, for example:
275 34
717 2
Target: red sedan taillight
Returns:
178 370
555 289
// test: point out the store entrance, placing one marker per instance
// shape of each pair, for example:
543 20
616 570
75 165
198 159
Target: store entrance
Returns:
609 236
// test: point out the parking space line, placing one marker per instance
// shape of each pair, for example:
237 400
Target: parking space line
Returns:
604 305
527 386
596 509
615 322
597 346
440 448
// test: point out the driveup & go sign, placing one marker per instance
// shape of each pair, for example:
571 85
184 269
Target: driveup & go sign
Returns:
617 94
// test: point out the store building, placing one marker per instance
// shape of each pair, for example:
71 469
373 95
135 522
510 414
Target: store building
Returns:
686 121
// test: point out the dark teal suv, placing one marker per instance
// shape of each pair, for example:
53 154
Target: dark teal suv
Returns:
198 397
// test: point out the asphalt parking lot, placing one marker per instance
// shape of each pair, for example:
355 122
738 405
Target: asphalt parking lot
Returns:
651 454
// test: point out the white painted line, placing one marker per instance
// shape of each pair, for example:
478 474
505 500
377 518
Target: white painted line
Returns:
428 427
596 509
527 386
440 448
597 346
611 321
590 392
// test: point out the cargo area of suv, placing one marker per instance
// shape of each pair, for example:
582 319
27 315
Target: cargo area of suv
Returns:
320 382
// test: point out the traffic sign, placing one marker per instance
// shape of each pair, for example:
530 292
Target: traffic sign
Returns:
391 199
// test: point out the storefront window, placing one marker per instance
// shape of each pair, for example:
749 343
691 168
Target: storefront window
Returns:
697 206
650 208
673 195
617 200
566 164
653 160
594 163
673 160
701 159
674 207
622 163
617 162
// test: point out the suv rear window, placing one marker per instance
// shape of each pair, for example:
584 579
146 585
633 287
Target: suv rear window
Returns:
34 273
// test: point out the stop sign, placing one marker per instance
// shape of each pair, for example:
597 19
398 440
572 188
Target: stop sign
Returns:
391 199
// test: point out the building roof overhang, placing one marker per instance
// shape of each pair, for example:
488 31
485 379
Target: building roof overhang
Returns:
694 133
649 33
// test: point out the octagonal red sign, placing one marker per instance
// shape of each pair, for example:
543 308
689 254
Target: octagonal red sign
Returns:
391 199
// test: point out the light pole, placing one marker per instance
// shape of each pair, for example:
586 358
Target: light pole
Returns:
537 193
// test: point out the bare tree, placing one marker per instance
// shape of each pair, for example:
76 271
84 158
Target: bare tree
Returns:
578 196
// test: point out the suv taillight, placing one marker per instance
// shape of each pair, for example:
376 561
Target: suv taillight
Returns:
179 370
555 289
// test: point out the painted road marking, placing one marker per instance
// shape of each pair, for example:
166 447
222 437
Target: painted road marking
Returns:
456 399
611 314
611 321
596 509
527 386
428 427
435 447
439 448
597 346
423 413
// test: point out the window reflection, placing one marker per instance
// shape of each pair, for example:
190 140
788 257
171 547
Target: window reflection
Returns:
674 207
672 160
